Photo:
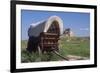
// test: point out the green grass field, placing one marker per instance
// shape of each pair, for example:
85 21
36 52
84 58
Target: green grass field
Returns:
78 46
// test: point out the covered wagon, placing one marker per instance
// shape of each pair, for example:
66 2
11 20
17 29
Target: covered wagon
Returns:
45 34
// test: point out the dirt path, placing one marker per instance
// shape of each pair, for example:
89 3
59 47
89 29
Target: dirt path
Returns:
74 57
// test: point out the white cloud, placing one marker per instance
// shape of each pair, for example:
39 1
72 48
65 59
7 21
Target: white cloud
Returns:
84 29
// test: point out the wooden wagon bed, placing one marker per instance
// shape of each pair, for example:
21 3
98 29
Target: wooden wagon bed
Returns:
49 41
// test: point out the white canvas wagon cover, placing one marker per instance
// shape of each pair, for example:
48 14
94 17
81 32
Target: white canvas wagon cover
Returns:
43 26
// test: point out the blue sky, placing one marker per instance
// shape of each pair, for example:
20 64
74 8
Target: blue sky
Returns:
78 22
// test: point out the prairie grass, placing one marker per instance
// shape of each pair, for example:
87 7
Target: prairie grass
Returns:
78 46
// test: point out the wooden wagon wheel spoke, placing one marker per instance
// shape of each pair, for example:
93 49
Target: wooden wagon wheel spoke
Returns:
39 52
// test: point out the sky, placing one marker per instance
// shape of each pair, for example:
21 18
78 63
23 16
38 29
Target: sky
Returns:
78 22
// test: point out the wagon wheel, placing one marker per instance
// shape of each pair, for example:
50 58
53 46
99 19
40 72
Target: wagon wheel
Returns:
39 54
39 50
